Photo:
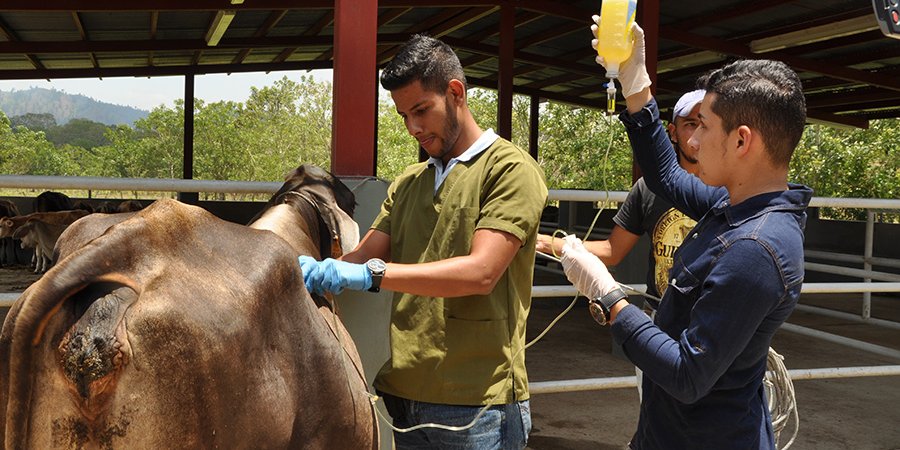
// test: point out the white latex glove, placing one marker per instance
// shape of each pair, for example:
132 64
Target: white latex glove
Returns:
585 270
633 71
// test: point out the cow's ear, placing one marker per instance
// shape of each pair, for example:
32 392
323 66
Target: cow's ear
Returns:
23 230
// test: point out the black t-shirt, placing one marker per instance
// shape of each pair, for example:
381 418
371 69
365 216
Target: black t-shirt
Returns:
645 212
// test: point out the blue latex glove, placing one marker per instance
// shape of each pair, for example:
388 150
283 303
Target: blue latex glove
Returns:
334 276
310 268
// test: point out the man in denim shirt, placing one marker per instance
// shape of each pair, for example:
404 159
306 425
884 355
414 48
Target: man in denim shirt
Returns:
736 277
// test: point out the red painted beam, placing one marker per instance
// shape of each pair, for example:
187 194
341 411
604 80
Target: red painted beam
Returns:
353 128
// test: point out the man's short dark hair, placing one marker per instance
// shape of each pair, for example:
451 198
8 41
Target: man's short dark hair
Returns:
764 95
426 59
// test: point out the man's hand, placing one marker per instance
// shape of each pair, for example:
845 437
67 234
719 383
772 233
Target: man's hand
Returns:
548 245
584 270
633 71
331 275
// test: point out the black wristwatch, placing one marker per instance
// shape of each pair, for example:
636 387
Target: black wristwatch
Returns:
376 268
600 307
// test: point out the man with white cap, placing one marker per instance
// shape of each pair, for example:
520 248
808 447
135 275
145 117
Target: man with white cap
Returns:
645 212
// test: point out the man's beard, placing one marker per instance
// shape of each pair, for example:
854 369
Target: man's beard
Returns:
451 129
682 154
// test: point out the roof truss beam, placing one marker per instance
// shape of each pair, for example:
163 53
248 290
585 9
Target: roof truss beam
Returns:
741 50
262 31
163 70
12 37
439 26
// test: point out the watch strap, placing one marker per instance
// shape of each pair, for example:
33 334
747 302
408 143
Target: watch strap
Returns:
611 298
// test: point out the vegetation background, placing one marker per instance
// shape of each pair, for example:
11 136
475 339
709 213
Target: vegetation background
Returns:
289 123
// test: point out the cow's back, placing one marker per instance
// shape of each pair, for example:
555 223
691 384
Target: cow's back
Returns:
192 332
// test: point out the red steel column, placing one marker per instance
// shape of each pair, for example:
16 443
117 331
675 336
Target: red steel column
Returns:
353 127
505 75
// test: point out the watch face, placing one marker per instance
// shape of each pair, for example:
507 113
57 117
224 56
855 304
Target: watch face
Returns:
376 265
597 313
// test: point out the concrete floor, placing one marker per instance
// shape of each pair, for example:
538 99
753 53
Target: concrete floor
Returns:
850 413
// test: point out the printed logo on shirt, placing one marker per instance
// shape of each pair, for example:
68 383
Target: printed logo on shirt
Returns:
670 231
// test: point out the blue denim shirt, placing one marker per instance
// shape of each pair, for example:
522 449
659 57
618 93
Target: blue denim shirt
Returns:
734 281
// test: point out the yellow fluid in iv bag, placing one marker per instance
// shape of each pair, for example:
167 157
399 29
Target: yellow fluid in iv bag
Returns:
614 40
614 34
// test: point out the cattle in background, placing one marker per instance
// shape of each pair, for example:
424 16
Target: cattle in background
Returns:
107 207
9 225
83 205
41 230
49 201
7 246
130 206
172 328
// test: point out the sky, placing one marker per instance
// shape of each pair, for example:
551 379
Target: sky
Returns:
148 93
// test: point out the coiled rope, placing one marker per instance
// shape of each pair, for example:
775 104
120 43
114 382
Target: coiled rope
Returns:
782 399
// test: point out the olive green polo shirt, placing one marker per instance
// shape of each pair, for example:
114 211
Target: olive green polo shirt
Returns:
460 350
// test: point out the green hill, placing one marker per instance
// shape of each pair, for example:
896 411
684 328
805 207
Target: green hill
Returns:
65 107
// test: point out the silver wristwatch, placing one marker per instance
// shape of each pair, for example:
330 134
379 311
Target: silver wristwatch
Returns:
376 268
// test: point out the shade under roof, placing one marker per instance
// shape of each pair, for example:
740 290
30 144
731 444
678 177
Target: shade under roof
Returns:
849 68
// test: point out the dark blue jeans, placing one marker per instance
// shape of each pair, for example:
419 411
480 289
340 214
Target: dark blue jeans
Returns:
503 427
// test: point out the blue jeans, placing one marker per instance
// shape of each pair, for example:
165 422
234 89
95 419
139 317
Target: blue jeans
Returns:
502 427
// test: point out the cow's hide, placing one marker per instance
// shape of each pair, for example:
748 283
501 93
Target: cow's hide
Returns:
169 328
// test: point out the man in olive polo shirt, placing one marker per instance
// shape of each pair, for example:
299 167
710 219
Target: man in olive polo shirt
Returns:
458 236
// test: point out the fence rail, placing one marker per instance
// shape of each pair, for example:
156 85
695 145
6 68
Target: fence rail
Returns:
244 187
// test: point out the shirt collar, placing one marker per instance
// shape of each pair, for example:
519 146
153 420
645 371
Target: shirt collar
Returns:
441 171
481 144
795 198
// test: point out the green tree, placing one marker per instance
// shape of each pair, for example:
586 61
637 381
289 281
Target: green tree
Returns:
34 121
79 132
288 123
850 163
582 148
221 147
152 149
396 148
27 152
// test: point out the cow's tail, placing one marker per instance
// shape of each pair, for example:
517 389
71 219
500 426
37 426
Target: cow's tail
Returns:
110 259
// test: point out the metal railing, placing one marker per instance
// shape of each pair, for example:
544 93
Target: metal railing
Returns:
867 286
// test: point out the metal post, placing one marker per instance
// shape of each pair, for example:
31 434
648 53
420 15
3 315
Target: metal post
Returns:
534 118
867 263
353 130
188 162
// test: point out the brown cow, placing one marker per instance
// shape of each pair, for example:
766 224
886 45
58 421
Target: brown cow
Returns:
41 230
7 247
170 328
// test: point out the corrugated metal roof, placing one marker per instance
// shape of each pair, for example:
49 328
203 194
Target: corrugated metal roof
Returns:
850 75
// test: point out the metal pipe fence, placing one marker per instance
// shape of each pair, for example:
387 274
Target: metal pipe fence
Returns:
239 187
